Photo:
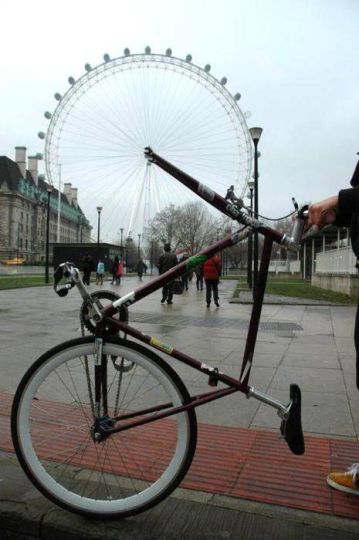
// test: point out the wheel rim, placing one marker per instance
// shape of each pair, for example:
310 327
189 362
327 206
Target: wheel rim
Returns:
103 122
74 467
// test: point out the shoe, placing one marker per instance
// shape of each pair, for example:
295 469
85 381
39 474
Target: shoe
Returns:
217 304
346 481
163 300
169 302
208 305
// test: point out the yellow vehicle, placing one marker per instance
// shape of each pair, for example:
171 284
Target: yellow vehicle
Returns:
14 261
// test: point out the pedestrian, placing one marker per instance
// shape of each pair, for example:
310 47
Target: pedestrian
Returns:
211 273
185 276
114 267
141 268
117 271
199 277
100 270
87 267
166 261
343 211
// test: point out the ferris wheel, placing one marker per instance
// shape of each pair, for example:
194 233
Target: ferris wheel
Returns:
97 133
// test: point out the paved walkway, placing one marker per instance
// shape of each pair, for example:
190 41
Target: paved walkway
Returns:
309 345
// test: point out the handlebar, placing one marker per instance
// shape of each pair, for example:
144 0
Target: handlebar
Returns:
70 272
298 225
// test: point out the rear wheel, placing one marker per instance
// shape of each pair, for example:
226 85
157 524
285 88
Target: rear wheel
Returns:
52 428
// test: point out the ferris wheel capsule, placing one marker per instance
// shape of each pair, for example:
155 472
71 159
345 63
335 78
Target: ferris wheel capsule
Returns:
126 52
224 80
106 57
148 50
88 67
207 68
168 52
41 135
47 115
58 96
189 58
71 80
237 96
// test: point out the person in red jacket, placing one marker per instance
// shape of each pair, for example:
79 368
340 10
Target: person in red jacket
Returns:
211 273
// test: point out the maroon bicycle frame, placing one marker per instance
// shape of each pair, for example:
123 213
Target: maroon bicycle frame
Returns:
213 373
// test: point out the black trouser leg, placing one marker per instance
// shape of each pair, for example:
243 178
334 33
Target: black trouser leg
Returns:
356 342
164 292
215 291
169 292
208 291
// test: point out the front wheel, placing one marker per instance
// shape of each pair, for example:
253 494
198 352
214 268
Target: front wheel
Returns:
52 424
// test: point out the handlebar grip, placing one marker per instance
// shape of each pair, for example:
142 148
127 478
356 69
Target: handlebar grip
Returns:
298 226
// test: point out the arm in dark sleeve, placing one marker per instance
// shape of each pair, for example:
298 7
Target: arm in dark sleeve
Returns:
348 204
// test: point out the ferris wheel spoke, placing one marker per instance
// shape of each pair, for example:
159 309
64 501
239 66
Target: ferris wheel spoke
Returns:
136 201
170 117
109 129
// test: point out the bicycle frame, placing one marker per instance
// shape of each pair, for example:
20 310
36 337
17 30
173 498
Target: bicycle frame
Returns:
233 385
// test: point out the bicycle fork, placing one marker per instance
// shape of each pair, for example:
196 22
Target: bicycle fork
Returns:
100 402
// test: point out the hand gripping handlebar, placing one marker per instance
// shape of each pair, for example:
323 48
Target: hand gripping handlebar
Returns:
301 216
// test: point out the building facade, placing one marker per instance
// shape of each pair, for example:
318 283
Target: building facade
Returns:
24 200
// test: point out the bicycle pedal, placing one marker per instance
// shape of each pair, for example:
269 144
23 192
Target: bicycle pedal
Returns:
291 428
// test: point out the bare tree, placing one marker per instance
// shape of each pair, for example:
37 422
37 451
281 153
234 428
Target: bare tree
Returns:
163 227
195 227
190 226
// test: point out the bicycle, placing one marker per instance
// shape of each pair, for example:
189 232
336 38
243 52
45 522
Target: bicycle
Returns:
102 425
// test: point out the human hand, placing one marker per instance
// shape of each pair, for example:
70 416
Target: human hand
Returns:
322 213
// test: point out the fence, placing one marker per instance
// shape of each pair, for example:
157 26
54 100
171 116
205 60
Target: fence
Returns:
281 266
336 261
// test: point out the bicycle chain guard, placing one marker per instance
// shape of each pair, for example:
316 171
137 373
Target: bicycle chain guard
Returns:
87 313
291 428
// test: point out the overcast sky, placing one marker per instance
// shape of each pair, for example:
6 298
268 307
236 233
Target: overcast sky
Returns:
295 63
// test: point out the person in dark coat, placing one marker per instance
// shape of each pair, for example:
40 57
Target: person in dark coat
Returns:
141 267
199 277
166 261
343 210
87 267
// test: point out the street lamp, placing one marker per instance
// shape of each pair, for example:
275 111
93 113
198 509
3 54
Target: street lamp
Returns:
98 208
249 245
49 190
139 249
256 133
121 231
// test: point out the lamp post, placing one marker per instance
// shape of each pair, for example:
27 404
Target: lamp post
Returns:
249 245
139 248
121 247
49 190
256 133
98 208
